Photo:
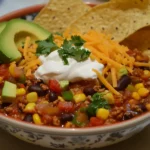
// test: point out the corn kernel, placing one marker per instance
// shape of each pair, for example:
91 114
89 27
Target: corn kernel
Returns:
147 73
61 99
139 85
30 108
12 69
79 97
21 92
102 113
136 96
37 119
131 88
109 98
148 107
32 97
143 92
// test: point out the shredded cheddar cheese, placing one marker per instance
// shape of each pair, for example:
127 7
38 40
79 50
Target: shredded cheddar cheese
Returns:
140 64
113 55
114 77
58 40
104 50
106 83
107 50
30 61
105 70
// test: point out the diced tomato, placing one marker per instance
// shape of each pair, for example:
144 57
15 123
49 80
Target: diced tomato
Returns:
54 86
18 72
44 108
20 85
4 71
66 107
94 121
118 103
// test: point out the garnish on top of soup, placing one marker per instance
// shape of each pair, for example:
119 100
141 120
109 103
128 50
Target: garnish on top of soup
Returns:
74 80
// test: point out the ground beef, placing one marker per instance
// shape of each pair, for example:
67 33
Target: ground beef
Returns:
117 113
56 121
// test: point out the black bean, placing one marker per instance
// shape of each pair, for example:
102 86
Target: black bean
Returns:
28 118
40 81
38 89
89 91
66 117
129 114
143 107
123 82
52 96
3 105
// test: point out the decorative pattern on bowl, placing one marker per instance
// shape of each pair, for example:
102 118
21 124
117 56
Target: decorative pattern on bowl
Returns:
29 17
76 142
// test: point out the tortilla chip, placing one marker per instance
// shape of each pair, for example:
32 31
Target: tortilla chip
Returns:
139 3
58 14
119 20
139 40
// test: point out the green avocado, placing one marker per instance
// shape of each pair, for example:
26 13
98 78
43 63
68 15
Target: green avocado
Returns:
8 92
15 33
2 26
64 84
123 71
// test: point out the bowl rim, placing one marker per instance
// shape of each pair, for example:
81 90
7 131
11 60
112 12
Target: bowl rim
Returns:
21 12
144 118
28 10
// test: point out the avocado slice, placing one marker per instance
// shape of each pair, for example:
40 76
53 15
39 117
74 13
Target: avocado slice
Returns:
2 26
8 92
8 48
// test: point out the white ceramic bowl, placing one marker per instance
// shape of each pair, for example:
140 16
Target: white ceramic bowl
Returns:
60 138
86 138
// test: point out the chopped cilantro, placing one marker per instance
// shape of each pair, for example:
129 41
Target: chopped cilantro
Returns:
97 102
67 44
72 49
46 46
80 54
77 40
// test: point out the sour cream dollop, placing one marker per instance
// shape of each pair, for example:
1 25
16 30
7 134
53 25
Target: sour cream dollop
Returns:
53 68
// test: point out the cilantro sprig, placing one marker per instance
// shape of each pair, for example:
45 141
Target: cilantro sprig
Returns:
73 49
97 102
77 40
70 48
45 47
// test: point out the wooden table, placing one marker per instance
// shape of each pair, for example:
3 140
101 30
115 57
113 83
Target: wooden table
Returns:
140 141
